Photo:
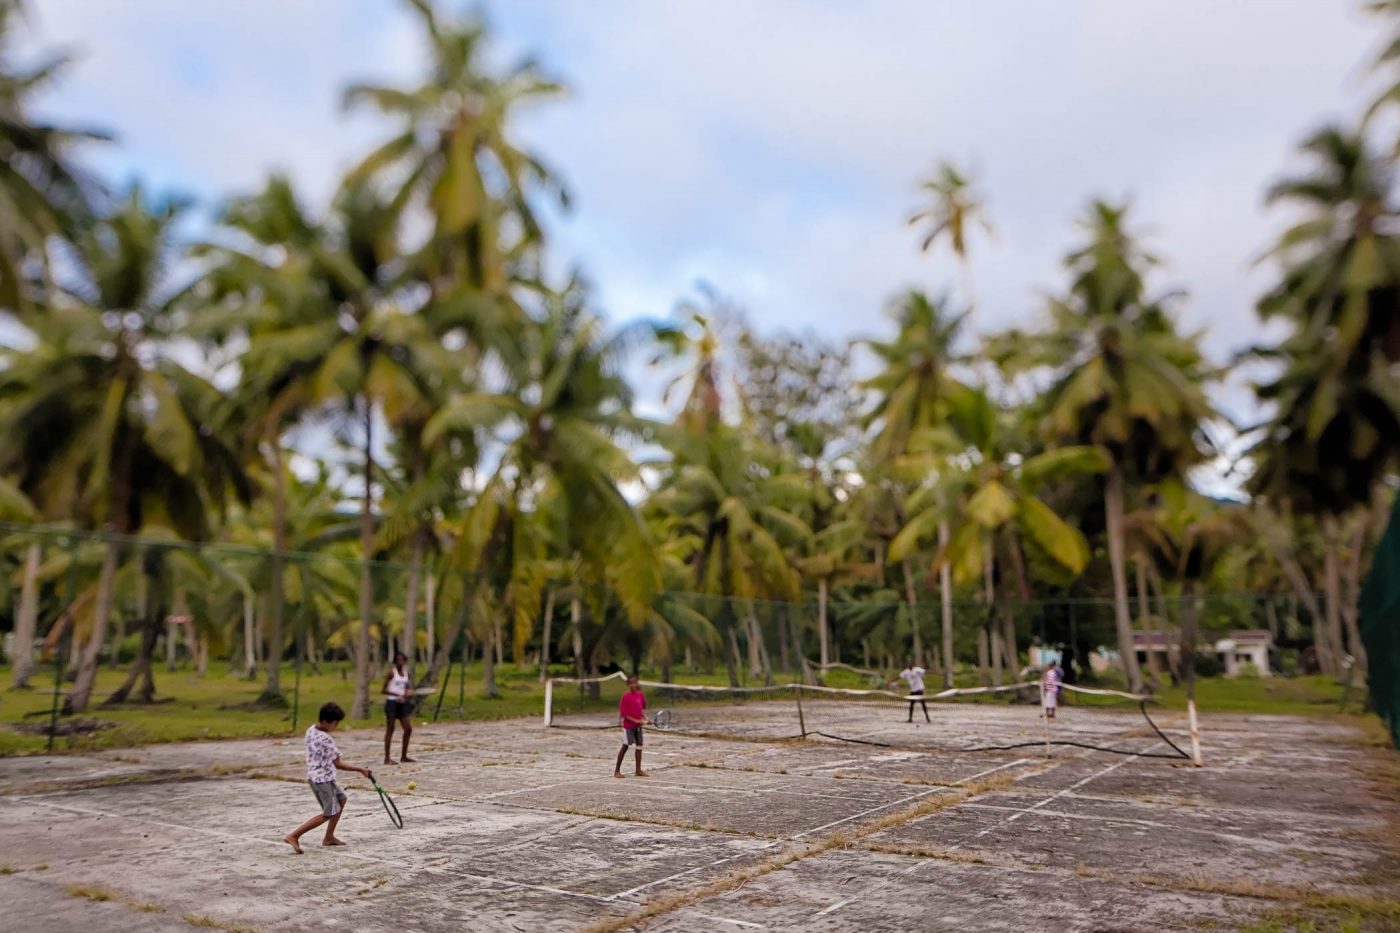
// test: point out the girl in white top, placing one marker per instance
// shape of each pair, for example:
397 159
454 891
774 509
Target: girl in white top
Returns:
1050 688
914 676
399 706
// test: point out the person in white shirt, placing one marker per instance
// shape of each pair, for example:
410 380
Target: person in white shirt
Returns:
914 676
399 706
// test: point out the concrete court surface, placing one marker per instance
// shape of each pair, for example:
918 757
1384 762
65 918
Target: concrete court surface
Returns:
516 827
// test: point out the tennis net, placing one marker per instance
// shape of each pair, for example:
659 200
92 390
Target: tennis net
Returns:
969 719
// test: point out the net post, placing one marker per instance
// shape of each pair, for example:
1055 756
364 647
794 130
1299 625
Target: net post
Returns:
549 702
1044 718
1195 731
801 720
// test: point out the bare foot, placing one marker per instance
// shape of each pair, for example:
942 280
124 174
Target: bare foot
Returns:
294 843
408 761
390 761
643 774
617 774
334 841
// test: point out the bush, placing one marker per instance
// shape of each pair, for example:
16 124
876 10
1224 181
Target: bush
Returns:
1249 671
1208 664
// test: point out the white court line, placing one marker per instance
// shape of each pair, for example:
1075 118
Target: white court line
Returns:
1058 794
397 863
737 923
777 842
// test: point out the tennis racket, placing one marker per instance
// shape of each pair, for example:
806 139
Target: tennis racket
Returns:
661 718
389 806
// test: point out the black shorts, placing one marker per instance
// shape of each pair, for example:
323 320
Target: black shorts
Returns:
398 709
631 735
915 693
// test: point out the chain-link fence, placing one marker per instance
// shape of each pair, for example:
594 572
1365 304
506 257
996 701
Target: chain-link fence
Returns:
184 638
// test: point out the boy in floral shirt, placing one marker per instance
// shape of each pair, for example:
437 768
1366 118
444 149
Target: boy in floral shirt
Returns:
322 760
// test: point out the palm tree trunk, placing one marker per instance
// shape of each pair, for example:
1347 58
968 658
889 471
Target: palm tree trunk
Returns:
360 707
409 640
912 599
250 651
823 633
87 668
430 619
1113 509
276 600
982 659
1332 591
1008 642
945 595
27 622
576 617
1154 672
443 657
545 639
755 662
1352 595
756 637
488 664
153 610
731 658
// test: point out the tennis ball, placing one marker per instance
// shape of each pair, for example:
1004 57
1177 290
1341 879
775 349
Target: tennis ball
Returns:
411 785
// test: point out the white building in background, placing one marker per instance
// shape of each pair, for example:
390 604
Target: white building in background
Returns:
1249 646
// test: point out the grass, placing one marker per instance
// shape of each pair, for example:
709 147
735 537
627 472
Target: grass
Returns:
221 704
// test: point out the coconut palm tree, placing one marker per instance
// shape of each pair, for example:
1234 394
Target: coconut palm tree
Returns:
42 193
112 428
1122 379
564 409
992 502
455 157
952 210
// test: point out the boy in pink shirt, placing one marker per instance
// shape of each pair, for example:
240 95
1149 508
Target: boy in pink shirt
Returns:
632 711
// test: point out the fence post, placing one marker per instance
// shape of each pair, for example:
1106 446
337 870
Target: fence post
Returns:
549 702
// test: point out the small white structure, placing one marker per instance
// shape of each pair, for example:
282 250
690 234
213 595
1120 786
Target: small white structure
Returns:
1249 646
1041 656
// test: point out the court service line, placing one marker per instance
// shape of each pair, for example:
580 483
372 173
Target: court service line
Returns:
630 892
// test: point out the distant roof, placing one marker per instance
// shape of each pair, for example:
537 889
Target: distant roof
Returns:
1153 639
1251 634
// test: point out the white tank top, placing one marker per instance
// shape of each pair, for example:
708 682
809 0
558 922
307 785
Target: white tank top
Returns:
398 684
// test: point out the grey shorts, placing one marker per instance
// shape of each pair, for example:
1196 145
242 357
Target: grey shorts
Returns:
329 796
631 735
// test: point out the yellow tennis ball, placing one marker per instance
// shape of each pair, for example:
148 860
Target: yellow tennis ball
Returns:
411 785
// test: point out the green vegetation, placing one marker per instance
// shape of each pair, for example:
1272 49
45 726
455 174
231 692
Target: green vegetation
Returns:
491 487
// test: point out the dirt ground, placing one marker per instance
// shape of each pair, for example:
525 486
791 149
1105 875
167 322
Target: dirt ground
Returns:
512 826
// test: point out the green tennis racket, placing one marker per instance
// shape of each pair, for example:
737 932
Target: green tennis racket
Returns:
390 807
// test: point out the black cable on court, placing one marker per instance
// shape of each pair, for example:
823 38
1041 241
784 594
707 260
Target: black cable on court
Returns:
1142 705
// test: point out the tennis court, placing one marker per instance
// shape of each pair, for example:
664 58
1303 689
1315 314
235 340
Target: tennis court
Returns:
516 827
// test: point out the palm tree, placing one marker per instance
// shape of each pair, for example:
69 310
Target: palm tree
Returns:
911 400
1335 427
112 428
998 505
454 156
42 194
1123 380
564 409
354 350
951 212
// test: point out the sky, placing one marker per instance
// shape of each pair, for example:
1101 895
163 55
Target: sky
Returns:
773 148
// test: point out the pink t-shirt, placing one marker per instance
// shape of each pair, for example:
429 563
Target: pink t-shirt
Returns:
632 707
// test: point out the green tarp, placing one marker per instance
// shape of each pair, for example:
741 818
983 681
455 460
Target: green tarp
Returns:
1380 625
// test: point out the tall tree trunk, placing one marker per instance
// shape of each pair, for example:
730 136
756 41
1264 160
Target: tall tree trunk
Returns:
430 619
250 651
945 595
1154 672
87 667
756 634
153 610
1303 590
360 707
498 639
443 657
276 599
1351 596
755 661
1113 509
576 617
409 639
983 650
1008 642
1332 592
994 641
911 598
823 632
545 639
27 621
489 660
731 657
